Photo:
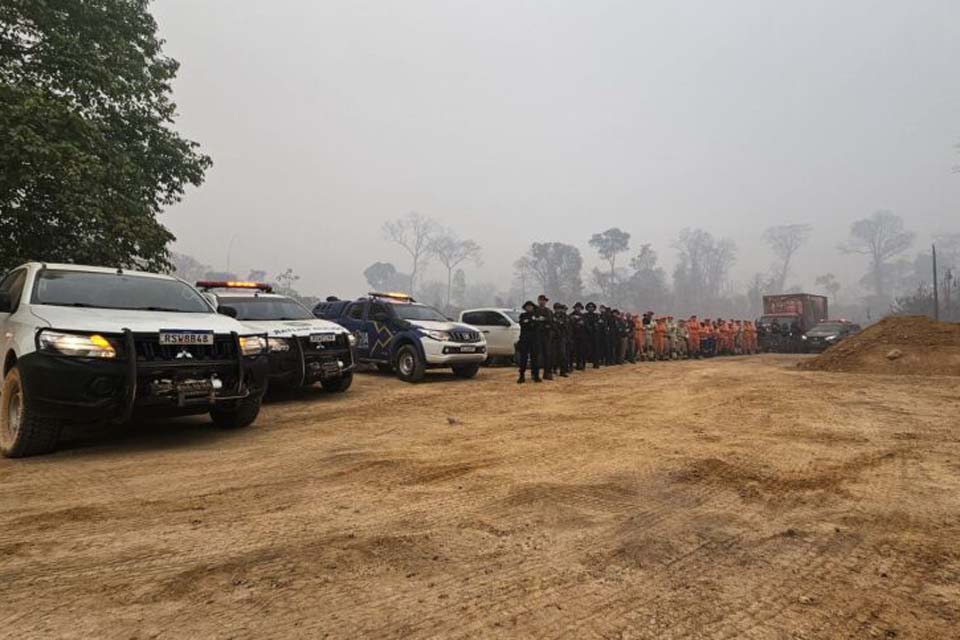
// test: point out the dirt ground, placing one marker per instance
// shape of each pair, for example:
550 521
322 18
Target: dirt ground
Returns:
732 498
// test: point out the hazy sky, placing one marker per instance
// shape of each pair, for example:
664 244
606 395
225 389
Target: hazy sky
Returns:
516 121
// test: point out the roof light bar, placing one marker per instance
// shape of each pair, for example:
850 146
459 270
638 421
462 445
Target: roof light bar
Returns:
233 284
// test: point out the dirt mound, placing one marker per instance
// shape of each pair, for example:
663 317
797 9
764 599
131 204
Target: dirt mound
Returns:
913 345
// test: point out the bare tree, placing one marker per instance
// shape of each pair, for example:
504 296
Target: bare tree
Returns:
702 267
609 245
879 237
522 271
413 232
452 252
830 284
785 240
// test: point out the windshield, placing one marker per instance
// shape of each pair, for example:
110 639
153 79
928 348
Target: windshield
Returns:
826 329
418 312
116 291
257 308
513 315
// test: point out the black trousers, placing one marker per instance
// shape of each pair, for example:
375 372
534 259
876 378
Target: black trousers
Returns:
545 347
581 347
597 349
528 353
559 355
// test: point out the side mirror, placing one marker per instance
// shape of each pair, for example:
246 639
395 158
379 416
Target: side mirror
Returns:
6 302
227 311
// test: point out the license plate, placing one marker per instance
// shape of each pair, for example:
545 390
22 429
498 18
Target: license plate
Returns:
323 337
467 349
185 337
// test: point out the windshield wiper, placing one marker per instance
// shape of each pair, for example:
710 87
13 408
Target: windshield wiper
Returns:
170 309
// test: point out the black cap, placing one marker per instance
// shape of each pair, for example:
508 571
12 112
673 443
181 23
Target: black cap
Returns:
543 297
528 303
591 305
578 305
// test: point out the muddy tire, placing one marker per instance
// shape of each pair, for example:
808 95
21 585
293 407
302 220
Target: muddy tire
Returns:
339 385
22 433
466 371
236 416
409 365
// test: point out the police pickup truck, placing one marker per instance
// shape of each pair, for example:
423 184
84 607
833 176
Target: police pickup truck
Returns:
91 345
398 334
303 349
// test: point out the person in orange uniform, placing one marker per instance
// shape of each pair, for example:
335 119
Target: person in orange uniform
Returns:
693 337
749 337
660 338
638 335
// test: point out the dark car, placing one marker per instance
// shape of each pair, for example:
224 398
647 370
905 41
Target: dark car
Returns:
826 334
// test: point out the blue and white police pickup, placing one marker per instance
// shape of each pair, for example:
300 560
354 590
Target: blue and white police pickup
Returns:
303 349
91 345
396 333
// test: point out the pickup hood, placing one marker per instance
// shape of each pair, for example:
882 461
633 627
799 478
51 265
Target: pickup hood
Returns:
116 320
292 327
443 326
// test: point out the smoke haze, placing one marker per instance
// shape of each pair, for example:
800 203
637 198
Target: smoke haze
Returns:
514 122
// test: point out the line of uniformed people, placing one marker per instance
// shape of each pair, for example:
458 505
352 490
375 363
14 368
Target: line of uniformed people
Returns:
555 342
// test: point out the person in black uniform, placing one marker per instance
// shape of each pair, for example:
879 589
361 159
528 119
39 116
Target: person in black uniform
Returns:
595 333
631 354
610 337
561 327
545 318
528 346
581 337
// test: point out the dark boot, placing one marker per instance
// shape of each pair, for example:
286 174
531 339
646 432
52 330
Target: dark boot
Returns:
522 378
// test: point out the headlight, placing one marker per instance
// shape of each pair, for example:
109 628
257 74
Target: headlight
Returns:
442 336
279 344
353 339
803 337
72 344
831 338
252 345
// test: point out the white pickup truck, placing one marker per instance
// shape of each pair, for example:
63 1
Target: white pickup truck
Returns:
91 344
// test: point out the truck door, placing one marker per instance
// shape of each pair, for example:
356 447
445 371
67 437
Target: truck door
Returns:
379 327
352 320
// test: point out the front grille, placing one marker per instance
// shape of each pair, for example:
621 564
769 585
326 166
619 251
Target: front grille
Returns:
465 336
149 349
340 344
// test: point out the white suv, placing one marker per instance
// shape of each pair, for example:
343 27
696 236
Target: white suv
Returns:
303 349
90 344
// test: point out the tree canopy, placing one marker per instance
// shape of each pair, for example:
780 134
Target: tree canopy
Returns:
88 154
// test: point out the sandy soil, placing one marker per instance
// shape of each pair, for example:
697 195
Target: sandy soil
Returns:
734 498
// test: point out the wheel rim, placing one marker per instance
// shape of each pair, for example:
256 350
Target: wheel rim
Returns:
406 363
14 414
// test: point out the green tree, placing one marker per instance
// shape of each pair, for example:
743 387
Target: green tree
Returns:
88 154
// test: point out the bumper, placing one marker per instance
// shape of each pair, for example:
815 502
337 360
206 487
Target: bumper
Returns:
297 367
442 354
93 390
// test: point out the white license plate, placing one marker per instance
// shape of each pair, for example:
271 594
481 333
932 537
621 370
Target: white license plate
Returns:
467 349
186 337
323 337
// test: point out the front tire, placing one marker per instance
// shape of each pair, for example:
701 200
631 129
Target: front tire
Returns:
466 371
21 432
409 365
337 385
236 416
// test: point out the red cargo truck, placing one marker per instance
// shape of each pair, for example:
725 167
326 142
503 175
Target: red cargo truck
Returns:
784 314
